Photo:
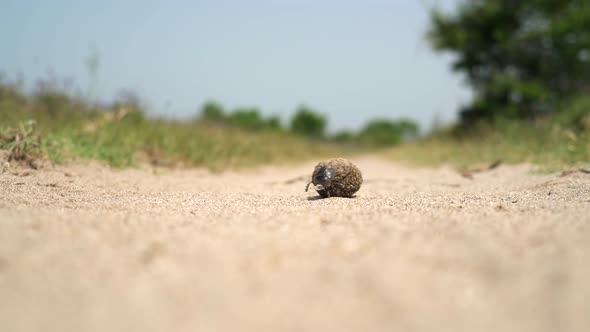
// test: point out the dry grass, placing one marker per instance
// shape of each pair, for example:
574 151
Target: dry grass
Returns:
550 147
122 135
22 145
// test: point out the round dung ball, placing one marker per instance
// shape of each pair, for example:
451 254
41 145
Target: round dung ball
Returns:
336 177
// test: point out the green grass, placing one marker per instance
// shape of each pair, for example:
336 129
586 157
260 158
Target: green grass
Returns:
21 144
122 136
550 147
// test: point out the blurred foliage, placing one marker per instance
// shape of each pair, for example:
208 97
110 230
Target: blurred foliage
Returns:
344 136
273 123
122 135
248 118
309 123
549 145
213 111
383 132
523 59
22 144
576 114
71 127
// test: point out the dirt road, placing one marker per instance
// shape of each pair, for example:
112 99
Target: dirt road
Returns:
86 248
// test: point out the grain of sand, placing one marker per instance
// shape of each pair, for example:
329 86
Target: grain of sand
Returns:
87 248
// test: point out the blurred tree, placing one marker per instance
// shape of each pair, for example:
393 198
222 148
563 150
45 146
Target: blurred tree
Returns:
383 132
344 136
247 118
522 58
273 122
308 122
212 111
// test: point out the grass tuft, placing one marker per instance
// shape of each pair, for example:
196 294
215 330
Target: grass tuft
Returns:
22 145
549 146
122 136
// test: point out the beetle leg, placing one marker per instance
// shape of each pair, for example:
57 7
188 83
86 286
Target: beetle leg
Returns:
307 187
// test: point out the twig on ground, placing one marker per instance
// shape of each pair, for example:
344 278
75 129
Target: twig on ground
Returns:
6 139
575 170
470 172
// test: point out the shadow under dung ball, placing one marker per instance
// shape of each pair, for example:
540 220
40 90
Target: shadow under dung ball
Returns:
336 178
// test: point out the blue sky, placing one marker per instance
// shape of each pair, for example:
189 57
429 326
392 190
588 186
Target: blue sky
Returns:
352 60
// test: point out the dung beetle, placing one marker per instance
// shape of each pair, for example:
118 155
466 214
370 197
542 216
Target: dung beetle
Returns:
336 177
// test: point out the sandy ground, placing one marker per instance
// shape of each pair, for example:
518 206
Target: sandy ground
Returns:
87 248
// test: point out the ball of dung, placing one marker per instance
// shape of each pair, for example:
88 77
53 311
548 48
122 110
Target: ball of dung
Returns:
336 177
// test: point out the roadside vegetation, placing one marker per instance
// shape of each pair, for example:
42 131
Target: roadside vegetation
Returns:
68 128
550 146
528 64
51 124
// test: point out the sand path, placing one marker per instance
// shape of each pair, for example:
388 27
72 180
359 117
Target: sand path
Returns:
87 248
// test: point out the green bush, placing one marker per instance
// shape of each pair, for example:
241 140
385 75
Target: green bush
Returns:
212 111
273 123
309 123
521 58
383 132
247 118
